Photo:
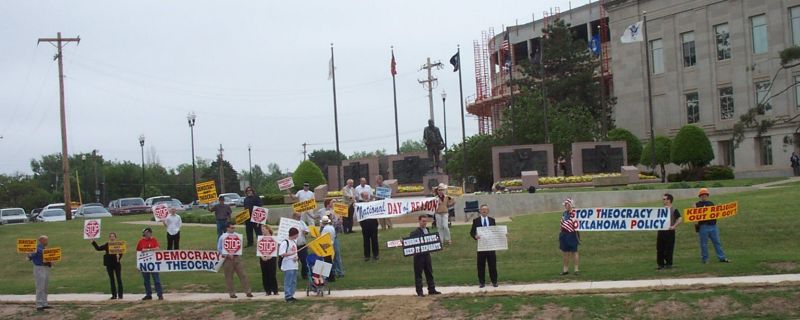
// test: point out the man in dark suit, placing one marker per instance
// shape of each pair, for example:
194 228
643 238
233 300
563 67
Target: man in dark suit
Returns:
484 257
422 261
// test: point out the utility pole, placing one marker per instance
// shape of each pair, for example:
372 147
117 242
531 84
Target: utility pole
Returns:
430 82
250 164
304 150
221 174
59 43
96 185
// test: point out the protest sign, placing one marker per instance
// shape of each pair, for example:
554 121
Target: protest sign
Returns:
427 243
242 216
26 245
313 231
51 255
266 246
392 208
259 215
394 243
285 183
178 260
206 192
492 238
322 268
160 211
322 245
454 191
304 206
726 210
117 247
341 209
286 224
622 219
232 244
383 192
91 229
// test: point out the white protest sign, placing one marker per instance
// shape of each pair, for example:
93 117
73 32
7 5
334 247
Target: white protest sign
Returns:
492 238
285 183
286 224
394 243
383 192
160 211
392 208
259 215
91 229
322 268
232 244
267 246
622 219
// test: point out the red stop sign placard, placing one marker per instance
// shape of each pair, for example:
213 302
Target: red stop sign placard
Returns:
91 229
160 211
259 215
232 244
267 247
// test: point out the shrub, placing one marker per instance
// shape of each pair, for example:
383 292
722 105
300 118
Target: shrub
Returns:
691 147
634 145
307 171
718 173
273 198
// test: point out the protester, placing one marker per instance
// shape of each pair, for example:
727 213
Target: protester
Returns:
327 227
251 200
708 230
222 213
233 263
301 241
338 267
361 189
173 223
569 238
442 213
795 160
268 267
422 261
384 222
41 273
287 249
303 195
369 232
148 243
113 265
484 257
349 197
665 239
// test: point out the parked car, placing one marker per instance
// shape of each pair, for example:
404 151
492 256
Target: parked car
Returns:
34 213
129 206
59 205
87 211
52 215
230 199
176 204
155 200
92 204
13 215
199 205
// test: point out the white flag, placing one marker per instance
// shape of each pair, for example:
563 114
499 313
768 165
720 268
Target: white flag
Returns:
330 68
633 33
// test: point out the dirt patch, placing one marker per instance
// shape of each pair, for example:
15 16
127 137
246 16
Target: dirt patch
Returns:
193 287
15 311
332 313
668 309
525 312
786 266
399 307
552 311
719 306
775 305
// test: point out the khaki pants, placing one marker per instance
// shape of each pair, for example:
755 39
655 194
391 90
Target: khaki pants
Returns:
234 264
41 275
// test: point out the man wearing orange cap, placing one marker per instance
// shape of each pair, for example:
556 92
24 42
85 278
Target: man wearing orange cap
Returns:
708 230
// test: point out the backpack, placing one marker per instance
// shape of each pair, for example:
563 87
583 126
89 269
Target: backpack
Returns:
280 257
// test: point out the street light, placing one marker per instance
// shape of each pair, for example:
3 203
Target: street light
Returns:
191 117
141 144
250 163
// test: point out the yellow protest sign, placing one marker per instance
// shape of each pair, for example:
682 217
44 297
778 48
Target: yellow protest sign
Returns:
313 231
726 210
304 206
243 216
26 245
117 247
51 255
341 209
206 192
455 191
322 246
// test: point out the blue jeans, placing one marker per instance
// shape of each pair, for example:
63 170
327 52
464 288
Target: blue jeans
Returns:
147 291
289 283
338 267
710 232
222 225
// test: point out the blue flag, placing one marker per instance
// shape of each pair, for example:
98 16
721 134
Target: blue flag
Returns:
594 44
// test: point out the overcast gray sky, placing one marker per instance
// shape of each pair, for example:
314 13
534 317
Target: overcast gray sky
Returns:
254 72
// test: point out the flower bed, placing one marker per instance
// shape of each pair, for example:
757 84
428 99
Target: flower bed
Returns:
411 188
334 194
516 183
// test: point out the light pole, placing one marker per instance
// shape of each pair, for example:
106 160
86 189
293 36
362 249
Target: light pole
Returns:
191 117
250 163
141 144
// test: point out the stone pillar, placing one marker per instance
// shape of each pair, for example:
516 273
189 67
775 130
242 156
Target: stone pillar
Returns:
530 178
430 181
321 192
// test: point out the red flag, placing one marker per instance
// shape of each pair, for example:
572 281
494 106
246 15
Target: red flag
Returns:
394 66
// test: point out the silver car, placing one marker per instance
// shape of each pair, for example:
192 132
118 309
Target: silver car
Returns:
13 215
92 212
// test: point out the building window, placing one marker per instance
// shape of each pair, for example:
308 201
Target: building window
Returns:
765 150
726 103
726 153
689 56
794 16
761 94
759 25
657 56
692 107
722 38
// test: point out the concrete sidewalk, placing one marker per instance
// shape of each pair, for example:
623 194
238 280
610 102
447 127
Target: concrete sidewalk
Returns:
582 287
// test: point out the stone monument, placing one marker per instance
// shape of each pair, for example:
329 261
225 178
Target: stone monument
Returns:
598 157
509 162
434 143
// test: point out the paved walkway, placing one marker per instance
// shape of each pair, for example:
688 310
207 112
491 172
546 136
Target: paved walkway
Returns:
583 287
776 183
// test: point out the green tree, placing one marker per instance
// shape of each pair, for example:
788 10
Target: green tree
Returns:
692 148
479 160
22 191
307 171
270 183
663 156
325 158
365 154
634 145
231 177
410 146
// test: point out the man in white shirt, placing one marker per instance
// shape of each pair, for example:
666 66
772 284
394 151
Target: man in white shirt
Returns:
287 249
173 223
303 195
233 262
327 227
301 241
361 188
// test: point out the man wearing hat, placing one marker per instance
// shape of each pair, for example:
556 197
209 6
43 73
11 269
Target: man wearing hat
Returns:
708 230
148 243
327 227
303 195
442 214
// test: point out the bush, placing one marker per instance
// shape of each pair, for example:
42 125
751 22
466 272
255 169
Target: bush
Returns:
718 173
679 185
634 145
307 171
273 198
691 147
204 218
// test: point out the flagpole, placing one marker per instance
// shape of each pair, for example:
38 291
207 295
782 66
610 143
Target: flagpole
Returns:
463 131
336 124
394 92
649 90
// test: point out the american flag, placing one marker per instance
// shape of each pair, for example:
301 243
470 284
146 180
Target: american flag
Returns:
505 45
570 224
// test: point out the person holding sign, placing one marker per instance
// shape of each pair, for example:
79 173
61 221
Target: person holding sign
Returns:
569 238
327 227
369 232
349 197
287 249
708 230
41 273
665 240
268 267
443 212
229 246
113 266
301 241
379 183
422 261
148 243
173 223
303 195
251 200
222 213
484 257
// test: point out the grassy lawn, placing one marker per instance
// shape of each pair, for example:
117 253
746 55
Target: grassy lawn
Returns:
758 241
671 185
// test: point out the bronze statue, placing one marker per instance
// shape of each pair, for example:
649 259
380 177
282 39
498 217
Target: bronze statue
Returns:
434 143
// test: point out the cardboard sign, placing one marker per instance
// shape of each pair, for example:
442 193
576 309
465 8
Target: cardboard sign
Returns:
286 224
322 268
313 231
394 243
26 245
285 183
322 245
51 255
232 244
178 260
91 229
622 219
427 243
383 192
392 208
341 209
267 246
242 216
304 206
259 215
454 191
160 211
117 247
492 238
726 210
206 192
